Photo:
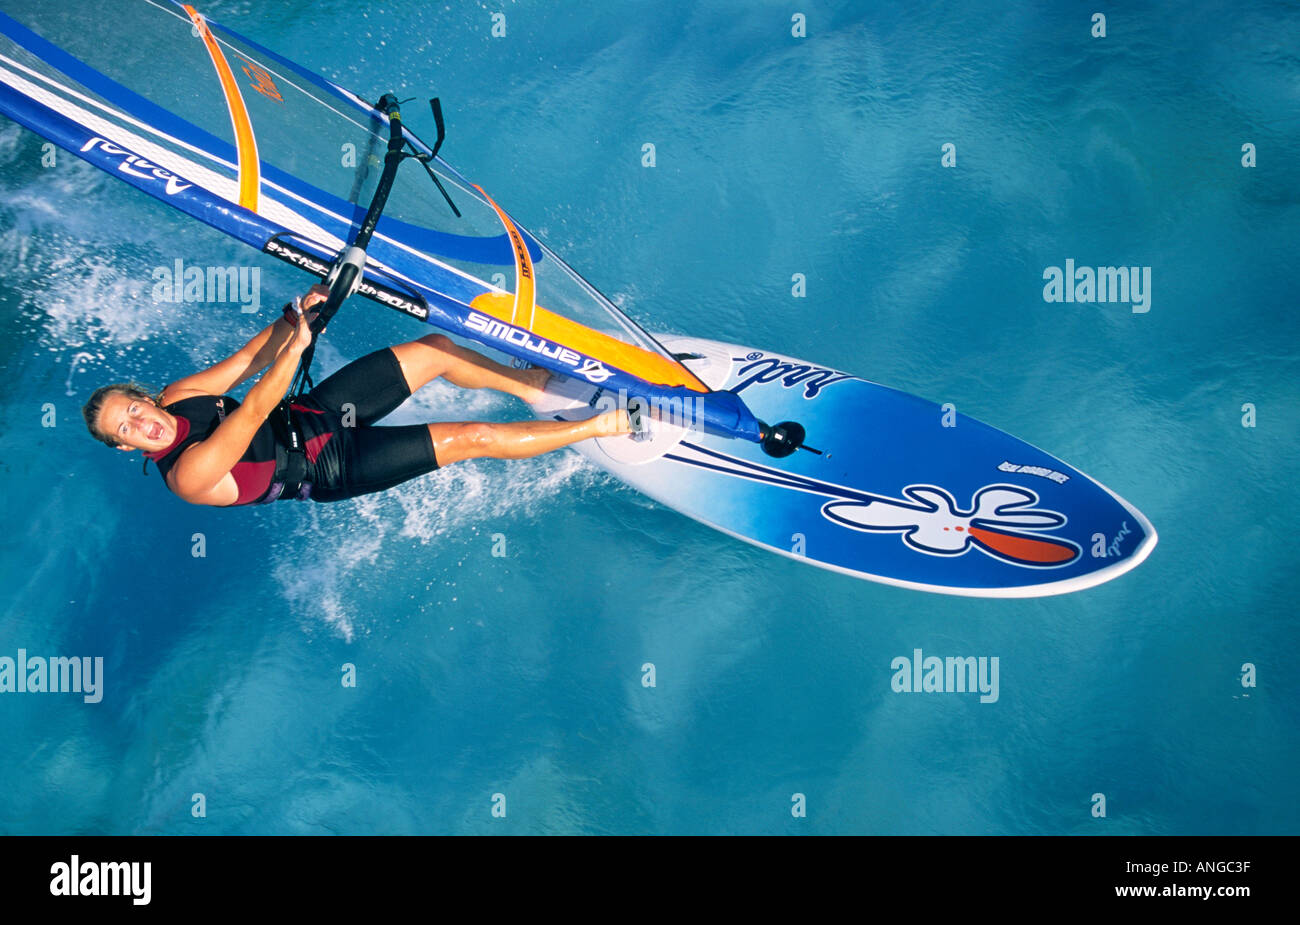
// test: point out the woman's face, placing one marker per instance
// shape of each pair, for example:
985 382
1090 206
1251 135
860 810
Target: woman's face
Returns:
136 423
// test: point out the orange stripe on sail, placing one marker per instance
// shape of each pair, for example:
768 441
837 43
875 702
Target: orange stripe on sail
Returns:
245 144
556 328
560 330
525 287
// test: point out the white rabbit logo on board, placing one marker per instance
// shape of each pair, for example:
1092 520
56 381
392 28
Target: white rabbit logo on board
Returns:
1000 523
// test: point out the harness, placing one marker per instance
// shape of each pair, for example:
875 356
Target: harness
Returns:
291 467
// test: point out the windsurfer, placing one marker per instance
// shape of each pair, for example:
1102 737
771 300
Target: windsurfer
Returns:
323 445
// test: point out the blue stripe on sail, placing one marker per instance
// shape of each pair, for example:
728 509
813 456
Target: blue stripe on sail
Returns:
114 92
488 254
495 250
190 198
417 269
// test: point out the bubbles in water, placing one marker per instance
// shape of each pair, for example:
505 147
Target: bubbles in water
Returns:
355 544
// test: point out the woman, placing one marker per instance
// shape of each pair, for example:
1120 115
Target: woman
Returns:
212 449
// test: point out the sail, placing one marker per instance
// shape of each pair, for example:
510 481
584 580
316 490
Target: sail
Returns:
277 156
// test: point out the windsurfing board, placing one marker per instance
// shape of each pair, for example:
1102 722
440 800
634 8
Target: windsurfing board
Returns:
901 491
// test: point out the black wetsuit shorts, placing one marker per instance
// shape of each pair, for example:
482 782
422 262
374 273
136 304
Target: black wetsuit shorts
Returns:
355 457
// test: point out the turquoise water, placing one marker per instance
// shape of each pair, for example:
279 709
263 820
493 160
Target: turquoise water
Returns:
522 674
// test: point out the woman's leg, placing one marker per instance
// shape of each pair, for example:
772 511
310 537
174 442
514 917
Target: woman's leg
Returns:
368 388
379 458
437 355
372 386
519 439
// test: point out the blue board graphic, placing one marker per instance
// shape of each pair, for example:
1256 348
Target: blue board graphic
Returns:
900 493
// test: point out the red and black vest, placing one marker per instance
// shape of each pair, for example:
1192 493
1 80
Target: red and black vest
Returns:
278 461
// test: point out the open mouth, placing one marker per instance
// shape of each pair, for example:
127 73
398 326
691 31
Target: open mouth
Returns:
155 431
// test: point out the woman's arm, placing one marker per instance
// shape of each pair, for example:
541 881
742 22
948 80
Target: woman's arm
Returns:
202 467
247 361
